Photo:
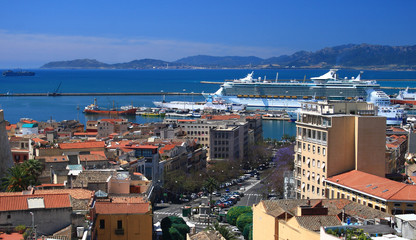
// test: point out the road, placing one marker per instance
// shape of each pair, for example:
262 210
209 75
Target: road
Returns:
253 193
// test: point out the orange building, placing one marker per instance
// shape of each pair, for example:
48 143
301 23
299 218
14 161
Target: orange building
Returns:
122 220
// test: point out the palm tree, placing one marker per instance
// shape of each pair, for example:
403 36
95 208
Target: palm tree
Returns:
210 185
16 179
33 169
21 176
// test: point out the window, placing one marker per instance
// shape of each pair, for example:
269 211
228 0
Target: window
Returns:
318 190
119 224
318 164
313 189
397 204
309 147
307 187
370 205
304 146
319 150
324 151
313 149
102 224
324 136
313 162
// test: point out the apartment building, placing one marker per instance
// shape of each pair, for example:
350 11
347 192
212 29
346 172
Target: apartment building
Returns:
334 137
373 191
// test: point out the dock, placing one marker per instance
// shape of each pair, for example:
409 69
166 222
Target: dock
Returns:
98 94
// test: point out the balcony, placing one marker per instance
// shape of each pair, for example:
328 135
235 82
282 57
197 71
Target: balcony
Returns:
119 231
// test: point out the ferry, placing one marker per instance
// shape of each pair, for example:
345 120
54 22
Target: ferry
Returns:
285 95
395 115
404 97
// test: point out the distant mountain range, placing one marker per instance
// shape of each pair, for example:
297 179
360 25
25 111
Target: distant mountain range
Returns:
361 56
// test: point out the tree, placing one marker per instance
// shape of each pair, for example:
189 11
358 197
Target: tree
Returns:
21 176
224 231
248 230
174 228
243 220
15 180
235 212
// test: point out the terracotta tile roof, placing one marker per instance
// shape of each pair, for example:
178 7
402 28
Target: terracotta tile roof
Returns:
85 133
121 208
101 153
76 193
41 141
167 147
79 145
315 222
374 185
19 202
11 236
51 185
92 157
221 117
29 121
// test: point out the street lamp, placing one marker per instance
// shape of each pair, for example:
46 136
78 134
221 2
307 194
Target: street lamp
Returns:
33 225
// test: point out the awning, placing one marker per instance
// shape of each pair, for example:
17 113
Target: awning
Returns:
317 177
307 175
323 165
309 160
303 185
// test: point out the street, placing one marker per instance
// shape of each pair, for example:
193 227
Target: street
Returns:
252 188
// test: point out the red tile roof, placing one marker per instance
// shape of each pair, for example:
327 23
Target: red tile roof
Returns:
222 117
19 202
121 208
92 157
85 133
82 145
38 140
374 185
167 147
77 193
101 153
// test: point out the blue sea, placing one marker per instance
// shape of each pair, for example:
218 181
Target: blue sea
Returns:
95 81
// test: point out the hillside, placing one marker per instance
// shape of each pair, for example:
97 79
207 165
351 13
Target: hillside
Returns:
362 56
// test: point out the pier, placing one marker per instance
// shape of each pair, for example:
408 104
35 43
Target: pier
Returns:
98 94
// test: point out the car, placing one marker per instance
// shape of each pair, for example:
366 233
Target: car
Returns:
258 177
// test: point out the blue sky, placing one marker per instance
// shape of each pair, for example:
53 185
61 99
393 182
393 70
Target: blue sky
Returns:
35 32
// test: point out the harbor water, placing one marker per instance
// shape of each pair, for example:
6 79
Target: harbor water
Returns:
60 108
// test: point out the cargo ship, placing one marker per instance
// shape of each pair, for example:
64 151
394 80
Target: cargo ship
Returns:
10 73
286 95
94 109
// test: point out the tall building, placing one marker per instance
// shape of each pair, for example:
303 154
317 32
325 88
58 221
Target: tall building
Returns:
6 160
335 137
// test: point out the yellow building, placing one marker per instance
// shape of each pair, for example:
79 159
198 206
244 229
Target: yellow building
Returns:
302 219
334 137
122 221
373 191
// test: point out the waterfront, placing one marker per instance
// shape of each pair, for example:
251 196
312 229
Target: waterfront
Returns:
60 108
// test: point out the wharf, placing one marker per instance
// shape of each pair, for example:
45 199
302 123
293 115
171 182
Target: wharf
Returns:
97 94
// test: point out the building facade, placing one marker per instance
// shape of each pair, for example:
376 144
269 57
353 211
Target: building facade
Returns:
334 137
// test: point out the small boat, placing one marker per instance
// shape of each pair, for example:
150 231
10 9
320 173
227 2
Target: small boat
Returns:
94 109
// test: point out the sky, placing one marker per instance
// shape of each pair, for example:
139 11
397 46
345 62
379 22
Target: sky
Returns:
33 33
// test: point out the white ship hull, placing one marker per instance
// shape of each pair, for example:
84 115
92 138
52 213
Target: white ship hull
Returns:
182 105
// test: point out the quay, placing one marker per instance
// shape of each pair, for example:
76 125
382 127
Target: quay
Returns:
97 94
